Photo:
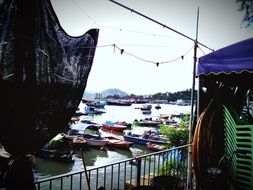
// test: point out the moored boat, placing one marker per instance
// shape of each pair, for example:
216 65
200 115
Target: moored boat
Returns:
149 122
79 143
116 142
95 140
148 136
89 132
124 123
112 126
57 149
155 146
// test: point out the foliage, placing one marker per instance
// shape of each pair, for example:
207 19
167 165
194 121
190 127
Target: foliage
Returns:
185 95
184 122
174 168
246 6
177 135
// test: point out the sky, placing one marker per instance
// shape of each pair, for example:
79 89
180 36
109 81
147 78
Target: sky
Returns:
145 43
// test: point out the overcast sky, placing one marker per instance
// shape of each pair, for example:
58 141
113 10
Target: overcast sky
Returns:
146 43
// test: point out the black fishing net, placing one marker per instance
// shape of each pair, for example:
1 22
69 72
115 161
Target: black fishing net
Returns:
43 74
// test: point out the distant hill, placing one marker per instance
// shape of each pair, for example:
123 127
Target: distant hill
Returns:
105 93
113 91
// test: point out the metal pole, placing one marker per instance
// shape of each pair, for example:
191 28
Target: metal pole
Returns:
163 25
189 170
84 167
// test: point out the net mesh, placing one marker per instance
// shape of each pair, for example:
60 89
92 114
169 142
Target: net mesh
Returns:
43 73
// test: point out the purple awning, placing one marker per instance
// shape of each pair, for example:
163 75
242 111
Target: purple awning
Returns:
235 58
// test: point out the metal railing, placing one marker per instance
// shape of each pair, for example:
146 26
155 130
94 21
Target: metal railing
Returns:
125 174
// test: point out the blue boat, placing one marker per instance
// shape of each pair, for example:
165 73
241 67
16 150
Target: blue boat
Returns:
148 136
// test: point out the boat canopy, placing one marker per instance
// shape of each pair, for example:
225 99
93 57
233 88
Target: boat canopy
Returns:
235 58
83 127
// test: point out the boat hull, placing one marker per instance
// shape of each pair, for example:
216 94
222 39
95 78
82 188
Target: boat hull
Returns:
118 128
118 143
139 139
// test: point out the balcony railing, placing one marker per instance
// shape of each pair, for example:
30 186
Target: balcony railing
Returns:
125 174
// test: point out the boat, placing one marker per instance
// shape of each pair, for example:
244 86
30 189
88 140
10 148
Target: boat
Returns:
113 126
89 132
146 112
95 140
97 103
146 107
55 155
158 106
155 146
148 136
129 125
119 143
119 102
79 142
58 149
149 122
90 110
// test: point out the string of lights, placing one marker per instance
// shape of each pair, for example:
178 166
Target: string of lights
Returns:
122 51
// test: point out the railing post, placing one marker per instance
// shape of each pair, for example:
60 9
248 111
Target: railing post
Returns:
138 182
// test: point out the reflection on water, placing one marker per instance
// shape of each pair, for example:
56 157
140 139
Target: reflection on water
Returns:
46 168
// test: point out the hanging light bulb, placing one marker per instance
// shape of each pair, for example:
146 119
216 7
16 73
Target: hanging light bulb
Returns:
157 64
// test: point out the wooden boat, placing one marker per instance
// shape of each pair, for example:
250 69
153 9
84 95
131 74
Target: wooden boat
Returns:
112 126
155 146
116 142
95 140
79 142
148 136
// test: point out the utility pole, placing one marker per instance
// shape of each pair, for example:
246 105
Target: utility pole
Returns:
189 169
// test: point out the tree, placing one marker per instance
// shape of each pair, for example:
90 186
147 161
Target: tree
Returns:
246 6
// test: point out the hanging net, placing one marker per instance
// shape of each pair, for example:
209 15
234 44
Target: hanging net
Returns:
43 74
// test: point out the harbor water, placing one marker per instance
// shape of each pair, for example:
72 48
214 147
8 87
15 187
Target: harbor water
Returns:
95 157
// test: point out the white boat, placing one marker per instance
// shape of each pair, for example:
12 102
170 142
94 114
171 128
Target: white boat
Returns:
95 140
89 132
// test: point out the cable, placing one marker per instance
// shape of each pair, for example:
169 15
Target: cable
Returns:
92 20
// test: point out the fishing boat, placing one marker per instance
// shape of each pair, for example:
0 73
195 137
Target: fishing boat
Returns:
116 142
155 146
148 136
112 126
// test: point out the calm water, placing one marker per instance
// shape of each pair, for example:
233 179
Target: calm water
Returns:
95 157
